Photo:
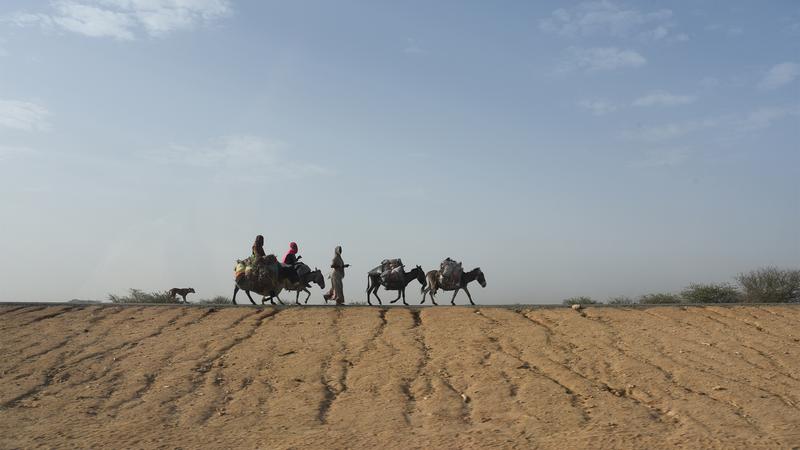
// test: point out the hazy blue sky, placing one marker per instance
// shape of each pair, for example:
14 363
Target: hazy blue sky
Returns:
597 148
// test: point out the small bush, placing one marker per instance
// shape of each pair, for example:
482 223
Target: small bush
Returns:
218 300
659 299
138 296
620 300
711 293
770 285
579 301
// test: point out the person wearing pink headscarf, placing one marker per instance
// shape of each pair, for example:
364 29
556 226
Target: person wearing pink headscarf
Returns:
288 270
290 258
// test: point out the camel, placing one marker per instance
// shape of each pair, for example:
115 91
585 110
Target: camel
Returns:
466 278
261 278
272 282
374 282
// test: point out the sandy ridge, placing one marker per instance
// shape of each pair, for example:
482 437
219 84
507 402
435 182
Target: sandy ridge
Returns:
79 376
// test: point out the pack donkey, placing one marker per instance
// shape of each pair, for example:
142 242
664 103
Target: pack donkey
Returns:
374 282
465 279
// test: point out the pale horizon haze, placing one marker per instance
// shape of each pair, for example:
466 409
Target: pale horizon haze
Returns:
597 148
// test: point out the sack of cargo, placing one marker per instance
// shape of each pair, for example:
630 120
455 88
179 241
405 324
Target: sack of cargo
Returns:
386 265
391 271
391 264
450 273
392 276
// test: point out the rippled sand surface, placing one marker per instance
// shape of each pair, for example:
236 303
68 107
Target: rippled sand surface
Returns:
365 377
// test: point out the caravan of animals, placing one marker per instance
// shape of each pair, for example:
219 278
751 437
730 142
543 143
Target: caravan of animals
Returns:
266 276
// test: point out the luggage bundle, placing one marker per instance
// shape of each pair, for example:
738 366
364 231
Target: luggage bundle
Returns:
450 273
390 270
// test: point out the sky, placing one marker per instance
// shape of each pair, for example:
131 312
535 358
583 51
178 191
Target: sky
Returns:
566 148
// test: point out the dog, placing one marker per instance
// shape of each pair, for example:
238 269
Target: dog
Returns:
183 292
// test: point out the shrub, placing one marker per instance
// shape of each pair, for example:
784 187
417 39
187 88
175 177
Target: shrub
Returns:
138 296
770 285
659 299
711 293
579 301
620 300
218 300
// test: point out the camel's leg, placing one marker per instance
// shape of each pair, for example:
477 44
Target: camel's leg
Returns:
251 298
235 291
398 297
469 296
453 301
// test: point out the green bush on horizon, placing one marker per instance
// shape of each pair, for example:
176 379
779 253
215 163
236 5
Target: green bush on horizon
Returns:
139 296
218 300
582 300
770 285
659 299
620 300
711 293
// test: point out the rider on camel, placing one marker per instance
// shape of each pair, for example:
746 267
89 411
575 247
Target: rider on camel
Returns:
258 247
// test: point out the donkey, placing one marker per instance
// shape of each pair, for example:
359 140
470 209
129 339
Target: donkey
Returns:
374 282
305 282
466 278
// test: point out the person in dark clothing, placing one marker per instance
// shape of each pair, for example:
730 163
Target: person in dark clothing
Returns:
291 258
288 270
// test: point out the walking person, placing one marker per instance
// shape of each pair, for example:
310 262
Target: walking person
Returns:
337 287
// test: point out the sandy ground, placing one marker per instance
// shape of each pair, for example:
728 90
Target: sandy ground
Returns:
361 377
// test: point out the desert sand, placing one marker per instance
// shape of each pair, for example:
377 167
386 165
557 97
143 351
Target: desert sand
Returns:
366 377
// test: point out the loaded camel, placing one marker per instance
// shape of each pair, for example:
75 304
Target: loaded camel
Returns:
271 293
